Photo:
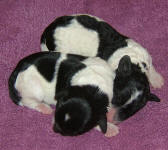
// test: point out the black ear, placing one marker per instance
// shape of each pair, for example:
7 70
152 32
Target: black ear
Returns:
103 123
153 97
61 94
124 67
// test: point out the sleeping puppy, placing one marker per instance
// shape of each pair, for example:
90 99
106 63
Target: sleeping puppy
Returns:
90 36
80 87
131 91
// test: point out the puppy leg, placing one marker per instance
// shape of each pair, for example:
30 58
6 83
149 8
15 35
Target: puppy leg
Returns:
110 114
35 104
112 130
155 79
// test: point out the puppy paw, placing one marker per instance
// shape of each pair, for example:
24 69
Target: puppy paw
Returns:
112 130
45 109
160 81
156 80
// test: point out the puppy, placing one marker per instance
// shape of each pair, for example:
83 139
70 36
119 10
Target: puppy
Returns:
90 36
80 87
131 91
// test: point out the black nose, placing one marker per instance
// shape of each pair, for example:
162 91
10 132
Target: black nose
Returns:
56 128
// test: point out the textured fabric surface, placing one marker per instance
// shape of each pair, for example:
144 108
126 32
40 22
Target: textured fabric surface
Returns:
22 23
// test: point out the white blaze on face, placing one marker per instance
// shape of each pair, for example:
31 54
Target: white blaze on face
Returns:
67 117
133 97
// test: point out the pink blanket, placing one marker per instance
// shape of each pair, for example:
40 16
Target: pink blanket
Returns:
22 23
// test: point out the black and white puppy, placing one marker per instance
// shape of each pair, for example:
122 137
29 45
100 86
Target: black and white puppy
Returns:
90 36
132 91
81 87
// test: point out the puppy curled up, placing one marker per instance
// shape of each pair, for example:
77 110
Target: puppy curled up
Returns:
131 63
80 87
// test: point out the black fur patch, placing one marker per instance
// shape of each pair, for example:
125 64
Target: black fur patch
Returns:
110 39
13 93
97 102
46 66
23 65
75 57
67 69
47 36
74 123
88 22
144 64
130 109
127 85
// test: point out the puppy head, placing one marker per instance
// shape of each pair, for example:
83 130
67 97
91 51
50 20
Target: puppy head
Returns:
74 116
131 89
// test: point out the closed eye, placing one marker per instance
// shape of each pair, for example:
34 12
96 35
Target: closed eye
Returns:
121 98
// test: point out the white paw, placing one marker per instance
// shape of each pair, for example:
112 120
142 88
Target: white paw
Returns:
45 109
156 80
112 130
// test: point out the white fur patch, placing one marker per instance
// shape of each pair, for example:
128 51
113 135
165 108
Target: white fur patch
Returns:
44 47
67 117
97 73
34 88
133 97
76 39
62 58
97 18
137 53
31 85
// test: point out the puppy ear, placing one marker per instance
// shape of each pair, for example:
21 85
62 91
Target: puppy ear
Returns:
103 123
61 94
153 97
124 67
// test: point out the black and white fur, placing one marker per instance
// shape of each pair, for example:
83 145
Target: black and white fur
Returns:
90 36
80 87
131 90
